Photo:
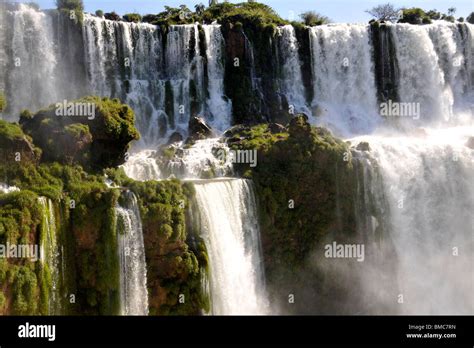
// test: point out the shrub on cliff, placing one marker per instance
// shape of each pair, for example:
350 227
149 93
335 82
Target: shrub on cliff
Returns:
113 16
414 16
252 14
312 18
171 16
132 17
98 138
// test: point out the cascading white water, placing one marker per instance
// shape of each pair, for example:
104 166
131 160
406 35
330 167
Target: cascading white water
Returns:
219 108
231 233
428 182
131 61
143 166
421 77
343 74
133 278
291 80
49 253
206 158
4 188
451 43
32 60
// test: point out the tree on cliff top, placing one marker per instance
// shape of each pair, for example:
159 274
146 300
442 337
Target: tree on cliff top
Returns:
385 12
312 18
72 6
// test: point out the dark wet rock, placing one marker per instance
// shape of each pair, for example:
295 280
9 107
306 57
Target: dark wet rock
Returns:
199 129
276 128
175 138
363 146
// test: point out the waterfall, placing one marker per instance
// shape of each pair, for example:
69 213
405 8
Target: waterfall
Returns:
231 233
427 182
419 178
133 279
344 84
219 108
435 69
421 77
291 80
451 43
143 166
4 188
167 77
49 254
162 80
31 77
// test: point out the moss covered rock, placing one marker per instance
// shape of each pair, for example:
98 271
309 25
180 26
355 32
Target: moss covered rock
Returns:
93 132
15 146
304 183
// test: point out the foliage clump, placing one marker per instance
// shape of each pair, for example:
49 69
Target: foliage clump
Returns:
312 18
132 17
414 15
72 8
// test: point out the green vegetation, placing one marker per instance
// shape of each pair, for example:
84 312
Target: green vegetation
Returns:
74 151
20 215
418 16
252 14
132 17
303 179
3 102
99 13
15 146
298 164
414 16
73 8
247 12
173 267
98 142
87 222
313 18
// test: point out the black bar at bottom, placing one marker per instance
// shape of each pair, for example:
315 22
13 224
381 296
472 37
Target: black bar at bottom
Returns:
288 330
